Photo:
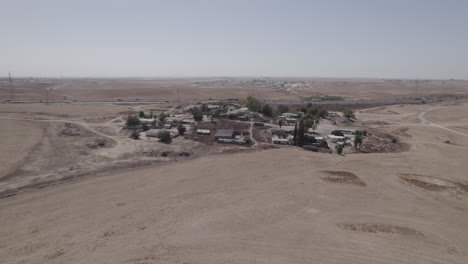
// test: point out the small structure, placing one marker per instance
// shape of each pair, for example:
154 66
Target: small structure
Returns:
281 141
312 131
188 121
174 119
347 131
231 141
168 126
290 115
153 132
224 134
239 111
212 107
335 139
146 120
203 131
288 129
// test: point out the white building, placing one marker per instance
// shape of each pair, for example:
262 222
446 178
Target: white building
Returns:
335 139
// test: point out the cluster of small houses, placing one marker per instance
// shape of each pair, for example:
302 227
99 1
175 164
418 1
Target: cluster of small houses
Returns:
226 135
231 110
170 124
282 135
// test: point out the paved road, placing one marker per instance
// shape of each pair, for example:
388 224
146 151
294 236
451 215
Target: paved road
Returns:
285 102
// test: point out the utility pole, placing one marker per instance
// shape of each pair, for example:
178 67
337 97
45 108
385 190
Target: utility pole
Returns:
417 86
47 96
12 92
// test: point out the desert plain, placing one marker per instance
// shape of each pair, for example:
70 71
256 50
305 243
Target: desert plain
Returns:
77 189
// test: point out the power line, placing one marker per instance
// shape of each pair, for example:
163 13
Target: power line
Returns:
12 92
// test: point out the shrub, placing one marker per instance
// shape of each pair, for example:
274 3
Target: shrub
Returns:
247 140
181 129
267 110
164 136
253 104
162 116
394 140
133 121
339 149
145 127
348 114
360 132
310 139
282 109
357 141
322 113
233 116
323 143
135 135
197 115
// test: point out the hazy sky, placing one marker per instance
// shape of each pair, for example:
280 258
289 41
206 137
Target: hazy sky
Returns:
348 38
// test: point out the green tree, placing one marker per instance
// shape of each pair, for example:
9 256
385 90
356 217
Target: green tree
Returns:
357 141
133 120
197 115
135 135
339 149
253 104
181 129
204 107
295 134
164 136
322 113
267 110
280 123
300 133
360 132
282 109
162 116
145 127
141 114
348 114
310 139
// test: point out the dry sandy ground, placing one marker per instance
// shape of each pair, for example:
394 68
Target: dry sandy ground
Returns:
18 139
274 206
168 89
45 143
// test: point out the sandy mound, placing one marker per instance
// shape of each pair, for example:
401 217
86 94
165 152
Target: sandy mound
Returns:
436 184
343 177
381 228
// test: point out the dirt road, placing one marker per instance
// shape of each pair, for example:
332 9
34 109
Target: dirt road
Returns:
255 143
425 121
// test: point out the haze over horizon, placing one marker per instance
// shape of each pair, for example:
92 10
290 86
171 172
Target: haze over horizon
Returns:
331 39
